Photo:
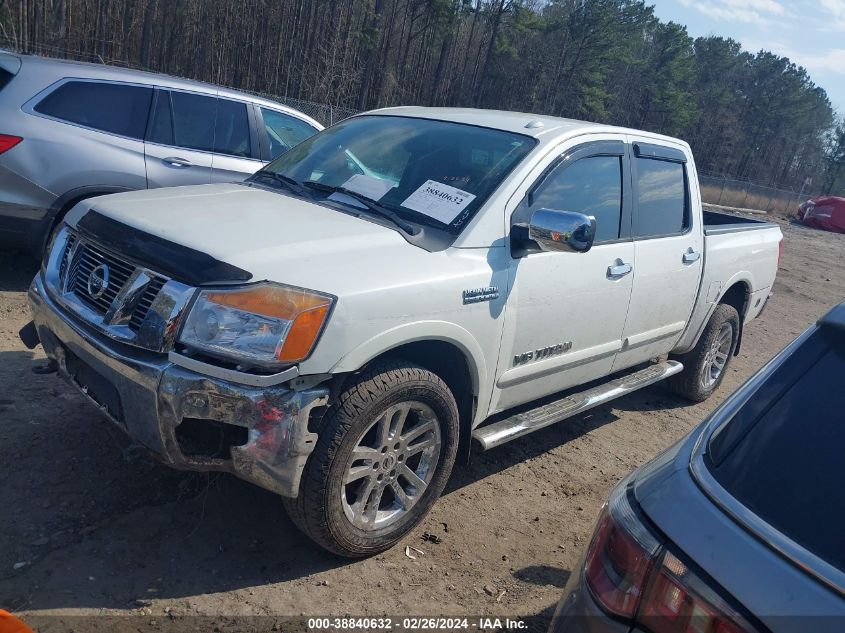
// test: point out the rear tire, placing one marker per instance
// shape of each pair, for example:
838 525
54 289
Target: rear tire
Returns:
705 365
384 454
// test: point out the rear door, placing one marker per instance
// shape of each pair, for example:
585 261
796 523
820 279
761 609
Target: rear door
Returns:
668 244
236 148
180 140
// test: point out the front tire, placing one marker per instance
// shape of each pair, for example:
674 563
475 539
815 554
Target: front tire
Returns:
384 454
705 365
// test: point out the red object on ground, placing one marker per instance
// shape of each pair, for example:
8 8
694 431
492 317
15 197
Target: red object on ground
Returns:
10 624
825 212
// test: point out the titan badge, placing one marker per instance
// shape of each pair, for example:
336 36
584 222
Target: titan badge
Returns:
543 352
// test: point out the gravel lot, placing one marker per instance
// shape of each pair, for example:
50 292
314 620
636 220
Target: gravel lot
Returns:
103 531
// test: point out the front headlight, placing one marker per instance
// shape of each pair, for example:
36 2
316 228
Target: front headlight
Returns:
266 325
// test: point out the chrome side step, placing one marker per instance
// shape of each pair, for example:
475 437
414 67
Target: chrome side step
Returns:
526 422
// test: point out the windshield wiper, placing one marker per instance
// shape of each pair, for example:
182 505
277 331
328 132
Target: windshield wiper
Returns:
285 181
369 203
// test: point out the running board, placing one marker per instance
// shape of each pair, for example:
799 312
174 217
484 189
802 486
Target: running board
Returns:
532 420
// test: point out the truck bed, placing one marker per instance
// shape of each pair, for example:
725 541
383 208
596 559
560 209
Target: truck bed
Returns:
716 223
736 250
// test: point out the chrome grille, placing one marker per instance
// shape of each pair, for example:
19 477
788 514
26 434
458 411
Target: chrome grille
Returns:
71 240
137 306
85 260
145 303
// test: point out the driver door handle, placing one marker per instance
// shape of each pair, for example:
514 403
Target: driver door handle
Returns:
691 256
175 161
618 270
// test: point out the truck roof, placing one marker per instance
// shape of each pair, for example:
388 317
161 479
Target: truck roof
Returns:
540 126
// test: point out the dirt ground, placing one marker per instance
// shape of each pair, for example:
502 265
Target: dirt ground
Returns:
88 527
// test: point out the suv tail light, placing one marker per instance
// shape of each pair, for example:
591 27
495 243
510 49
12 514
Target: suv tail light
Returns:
633 577
7 142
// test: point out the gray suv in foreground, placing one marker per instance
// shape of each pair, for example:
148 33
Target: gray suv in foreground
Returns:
70 131
741 525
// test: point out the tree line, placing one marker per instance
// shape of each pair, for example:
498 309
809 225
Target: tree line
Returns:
746 115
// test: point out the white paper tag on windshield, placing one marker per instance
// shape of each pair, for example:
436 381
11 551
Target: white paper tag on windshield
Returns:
372 188
439 201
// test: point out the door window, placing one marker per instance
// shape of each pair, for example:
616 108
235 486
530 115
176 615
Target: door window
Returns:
661 198
232 129
284 131
114 108
184 120
591 185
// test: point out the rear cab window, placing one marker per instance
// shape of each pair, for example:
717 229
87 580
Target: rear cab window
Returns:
108 107
662 191
781 454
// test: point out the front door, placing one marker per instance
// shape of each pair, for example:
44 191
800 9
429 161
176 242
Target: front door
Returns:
668 243
565 311
180 143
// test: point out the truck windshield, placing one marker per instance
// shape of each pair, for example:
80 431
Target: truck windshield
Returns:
426 171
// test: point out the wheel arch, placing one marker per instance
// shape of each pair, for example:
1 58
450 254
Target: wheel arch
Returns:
446 350
67 201
738 295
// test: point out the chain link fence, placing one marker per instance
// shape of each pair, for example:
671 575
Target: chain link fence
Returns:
322 112
744 194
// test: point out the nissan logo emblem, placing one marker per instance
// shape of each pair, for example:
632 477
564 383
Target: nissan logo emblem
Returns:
98 281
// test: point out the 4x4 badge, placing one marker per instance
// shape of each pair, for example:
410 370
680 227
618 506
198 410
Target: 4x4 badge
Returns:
477 295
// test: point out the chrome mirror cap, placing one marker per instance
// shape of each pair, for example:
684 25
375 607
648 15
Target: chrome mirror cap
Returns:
562 230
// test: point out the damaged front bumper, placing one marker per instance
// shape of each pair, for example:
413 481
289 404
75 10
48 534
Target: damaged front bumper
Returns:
154 401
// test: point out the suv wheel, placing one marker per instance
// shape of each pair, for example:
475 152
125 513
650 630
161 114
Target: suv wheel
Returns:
384 454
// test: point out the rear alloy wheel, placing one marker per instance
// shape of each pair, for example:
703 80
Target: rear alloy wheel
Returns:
385 451
717 356
705 364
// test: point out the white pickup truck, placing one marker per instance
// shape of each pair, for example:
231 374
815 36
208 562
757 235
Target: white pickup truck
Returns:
339 328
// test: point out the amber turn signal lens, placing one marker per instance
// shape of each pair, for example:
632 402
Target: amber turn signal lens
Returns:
303 334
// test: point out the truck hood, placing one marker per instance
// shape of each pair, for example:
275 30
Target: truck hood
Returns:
252 228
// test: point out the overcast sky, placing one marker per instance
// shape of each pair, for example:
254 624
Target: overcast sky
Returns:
810 32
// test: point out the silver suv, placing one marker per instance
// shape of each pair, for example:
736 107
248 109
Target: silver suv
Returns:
70 131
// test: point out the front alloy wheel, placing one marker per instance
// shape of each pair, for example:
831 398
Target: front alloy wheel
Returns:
391 466
385 451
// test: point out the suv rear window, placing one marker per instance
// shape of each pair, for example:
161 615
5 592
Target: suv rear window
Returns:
183 119
781 455
108 107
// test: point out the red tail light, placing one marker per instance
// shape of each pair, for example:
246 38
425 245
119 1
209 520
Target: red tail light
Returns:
633 577
617 566
7 142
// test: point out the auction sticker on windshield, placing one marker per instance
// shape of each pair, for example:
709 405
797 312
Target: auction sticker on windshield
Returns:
438 201
372 188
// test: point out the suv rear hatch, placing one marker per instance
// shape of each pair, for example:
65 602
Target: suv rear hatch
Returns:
780 455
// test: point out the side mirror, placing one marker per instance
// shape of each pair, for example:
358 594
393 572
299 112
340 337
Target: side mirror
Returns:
562 230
